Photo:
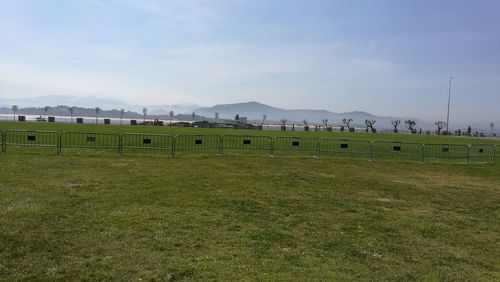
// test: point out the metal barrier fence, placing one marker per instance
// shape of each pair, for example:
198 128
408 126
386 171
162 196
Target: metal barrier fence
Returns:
143 141
398 150
475 153
197 143
104 141
451 152
295 145
246 143
481 153
360 148
31 138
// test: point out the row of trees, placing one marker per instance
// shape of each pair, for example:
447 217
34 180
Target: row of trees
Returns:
346 122
71 111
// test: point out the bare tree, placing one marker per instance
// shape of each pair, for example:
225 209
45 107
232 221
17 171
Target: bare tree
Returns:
325 122
369 124
440 125
122 111
45 110
396 123
283 124
71 111
171 115
144 112
97 110
306 125
14 110
410 124
347 122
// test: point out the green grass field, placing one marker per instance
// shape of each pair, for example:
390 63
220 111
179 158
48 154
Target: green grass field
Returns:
101 216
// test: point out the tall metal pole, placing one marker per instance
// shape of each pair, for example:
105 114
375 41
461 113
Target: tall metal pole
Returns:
449 99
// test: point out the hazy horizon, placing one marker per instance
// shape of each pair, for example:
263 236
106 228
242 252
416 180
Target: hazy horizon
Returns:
390 58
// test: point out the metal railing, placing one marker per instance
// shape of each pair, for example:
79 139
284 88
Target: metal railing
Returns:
396 150
373 150
205 143
144 141
449 152
479 153
294 145
246 143
338 147
90 140
31 138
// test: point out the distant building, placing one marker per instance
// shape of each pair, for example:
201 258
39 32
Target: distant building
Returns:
237 123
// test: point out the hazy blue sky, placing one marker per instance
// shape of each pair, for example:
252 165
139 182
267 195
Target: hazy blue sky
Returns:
385 57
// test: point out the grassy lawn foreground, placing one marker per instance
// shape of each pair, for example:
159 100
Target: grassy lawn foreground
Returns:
233 218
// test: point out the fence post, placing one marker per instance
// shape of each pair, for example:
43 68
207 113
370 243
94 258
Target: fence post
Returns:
271 150
59 143
2 135
371 150
221 141
493 157
317 147
5 142
221 149
271 144
120 145
468 153
422 155
173 145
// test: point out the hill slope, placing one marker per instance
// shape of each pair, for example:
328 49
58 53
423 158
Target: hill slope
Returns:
255 111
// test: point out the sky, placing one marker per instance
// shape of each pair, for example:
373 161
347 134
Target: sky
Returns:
391 58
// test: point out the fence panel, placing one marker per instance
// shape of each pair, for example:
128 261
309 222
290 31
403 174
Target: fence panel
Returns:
246 143
89 140
445 152
32 139
481 153
293 145
144 141
345 147
396 150
185 143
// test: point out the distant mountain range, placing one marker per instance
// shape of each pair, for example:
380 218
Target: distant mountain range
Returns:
253 110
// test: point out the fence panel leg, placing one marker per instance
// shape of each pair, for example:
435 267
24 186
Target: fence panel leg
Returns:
493 157
59 144
120 145
422 154
468 154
